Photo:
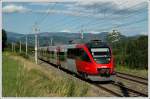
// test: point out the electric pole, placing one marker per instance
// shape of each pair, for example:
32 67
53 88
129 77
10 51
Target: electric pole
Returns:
82 32
36 30
51 41
38 42
26 45
12 46
20 46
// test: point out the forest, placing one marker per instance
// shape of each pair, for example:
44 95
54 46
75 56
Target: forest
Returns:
132 52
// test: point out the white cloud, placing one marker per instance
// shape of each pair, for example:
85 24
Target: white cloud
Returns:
39 0
84 2
91 8
144 33
74 13
11 8
65 30
39 3
93 32
125 3
111 6
97 8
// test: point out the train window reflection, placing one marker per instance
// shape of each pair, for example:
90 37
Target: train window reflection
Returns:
85 57
101 55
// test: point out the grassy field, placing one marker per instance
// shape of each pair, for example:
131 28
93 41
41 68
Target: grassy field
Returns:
21 77
137 72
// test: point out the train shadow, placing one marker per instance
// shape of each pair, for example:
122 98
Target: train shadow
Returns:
123 89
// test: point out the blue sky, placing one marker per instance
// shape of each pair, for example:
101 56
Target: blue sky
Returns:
130 17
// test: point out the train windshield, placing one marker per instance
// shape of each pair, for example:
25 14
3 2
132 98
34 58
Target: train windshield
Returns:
101 55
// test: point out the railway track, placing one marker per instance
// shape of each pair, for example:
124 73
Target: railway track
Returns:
137 93
133 78
132 75
120 90
115 88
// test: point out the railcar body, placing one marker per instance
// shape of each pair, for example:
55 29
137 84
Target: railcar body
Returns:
93 60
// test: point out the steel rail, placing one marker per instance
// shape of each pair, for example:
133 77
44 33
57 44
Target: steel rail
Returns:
129 89
141 82
132 75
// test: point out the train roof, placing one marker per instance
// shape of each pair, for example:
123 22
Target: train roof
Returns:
90 44
96 43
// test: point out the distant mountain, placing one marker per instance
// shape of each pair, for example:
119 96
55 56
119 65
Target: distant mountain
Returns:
63 37
58 37
13 37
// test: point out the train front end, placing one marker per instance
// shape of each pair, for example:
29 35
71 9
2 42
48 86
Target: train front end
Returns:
102 67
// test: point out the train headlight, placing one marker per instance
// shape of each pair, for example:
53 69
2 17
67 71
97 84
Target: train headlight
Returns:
108 59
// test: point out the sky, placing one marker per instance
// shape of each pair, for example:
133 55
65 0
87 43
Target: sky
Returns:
130 17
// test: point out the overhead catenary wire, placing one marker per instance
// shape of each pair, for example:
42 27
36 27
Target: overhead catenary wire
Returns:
40 21
95 24
123 25
99 25
74 19
88 24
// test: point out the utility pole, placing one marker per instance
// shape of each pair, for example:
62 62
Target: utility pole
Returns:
20 46
51 41
36 30
26 45
12 46
82 32
38 42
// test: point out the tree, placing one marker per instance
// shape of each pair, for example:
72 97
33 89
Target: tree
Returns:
132 52
4 39
136 52
113 36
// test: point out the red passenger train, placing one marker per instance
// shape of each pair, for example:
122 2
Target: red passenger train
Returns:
92 60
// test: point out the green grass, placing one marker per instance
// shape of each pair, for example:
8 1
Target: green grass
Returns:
9 76
21 79
137 72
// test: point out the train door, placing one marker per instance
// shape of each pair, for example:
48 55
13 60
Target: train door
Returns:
55 56
49 54
71 65
83 62
52 55
62 56
58 55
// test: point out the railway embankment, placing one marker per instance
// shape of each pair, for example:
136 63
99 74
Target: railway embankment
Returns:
22 77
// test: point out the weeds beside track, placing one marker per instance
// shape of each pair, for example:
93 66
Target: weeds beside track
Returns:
125 91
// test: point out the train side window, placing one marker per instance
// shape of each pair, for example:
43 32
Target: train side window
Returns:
84 56
70 53
78 52
62 56
52 54
47 53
